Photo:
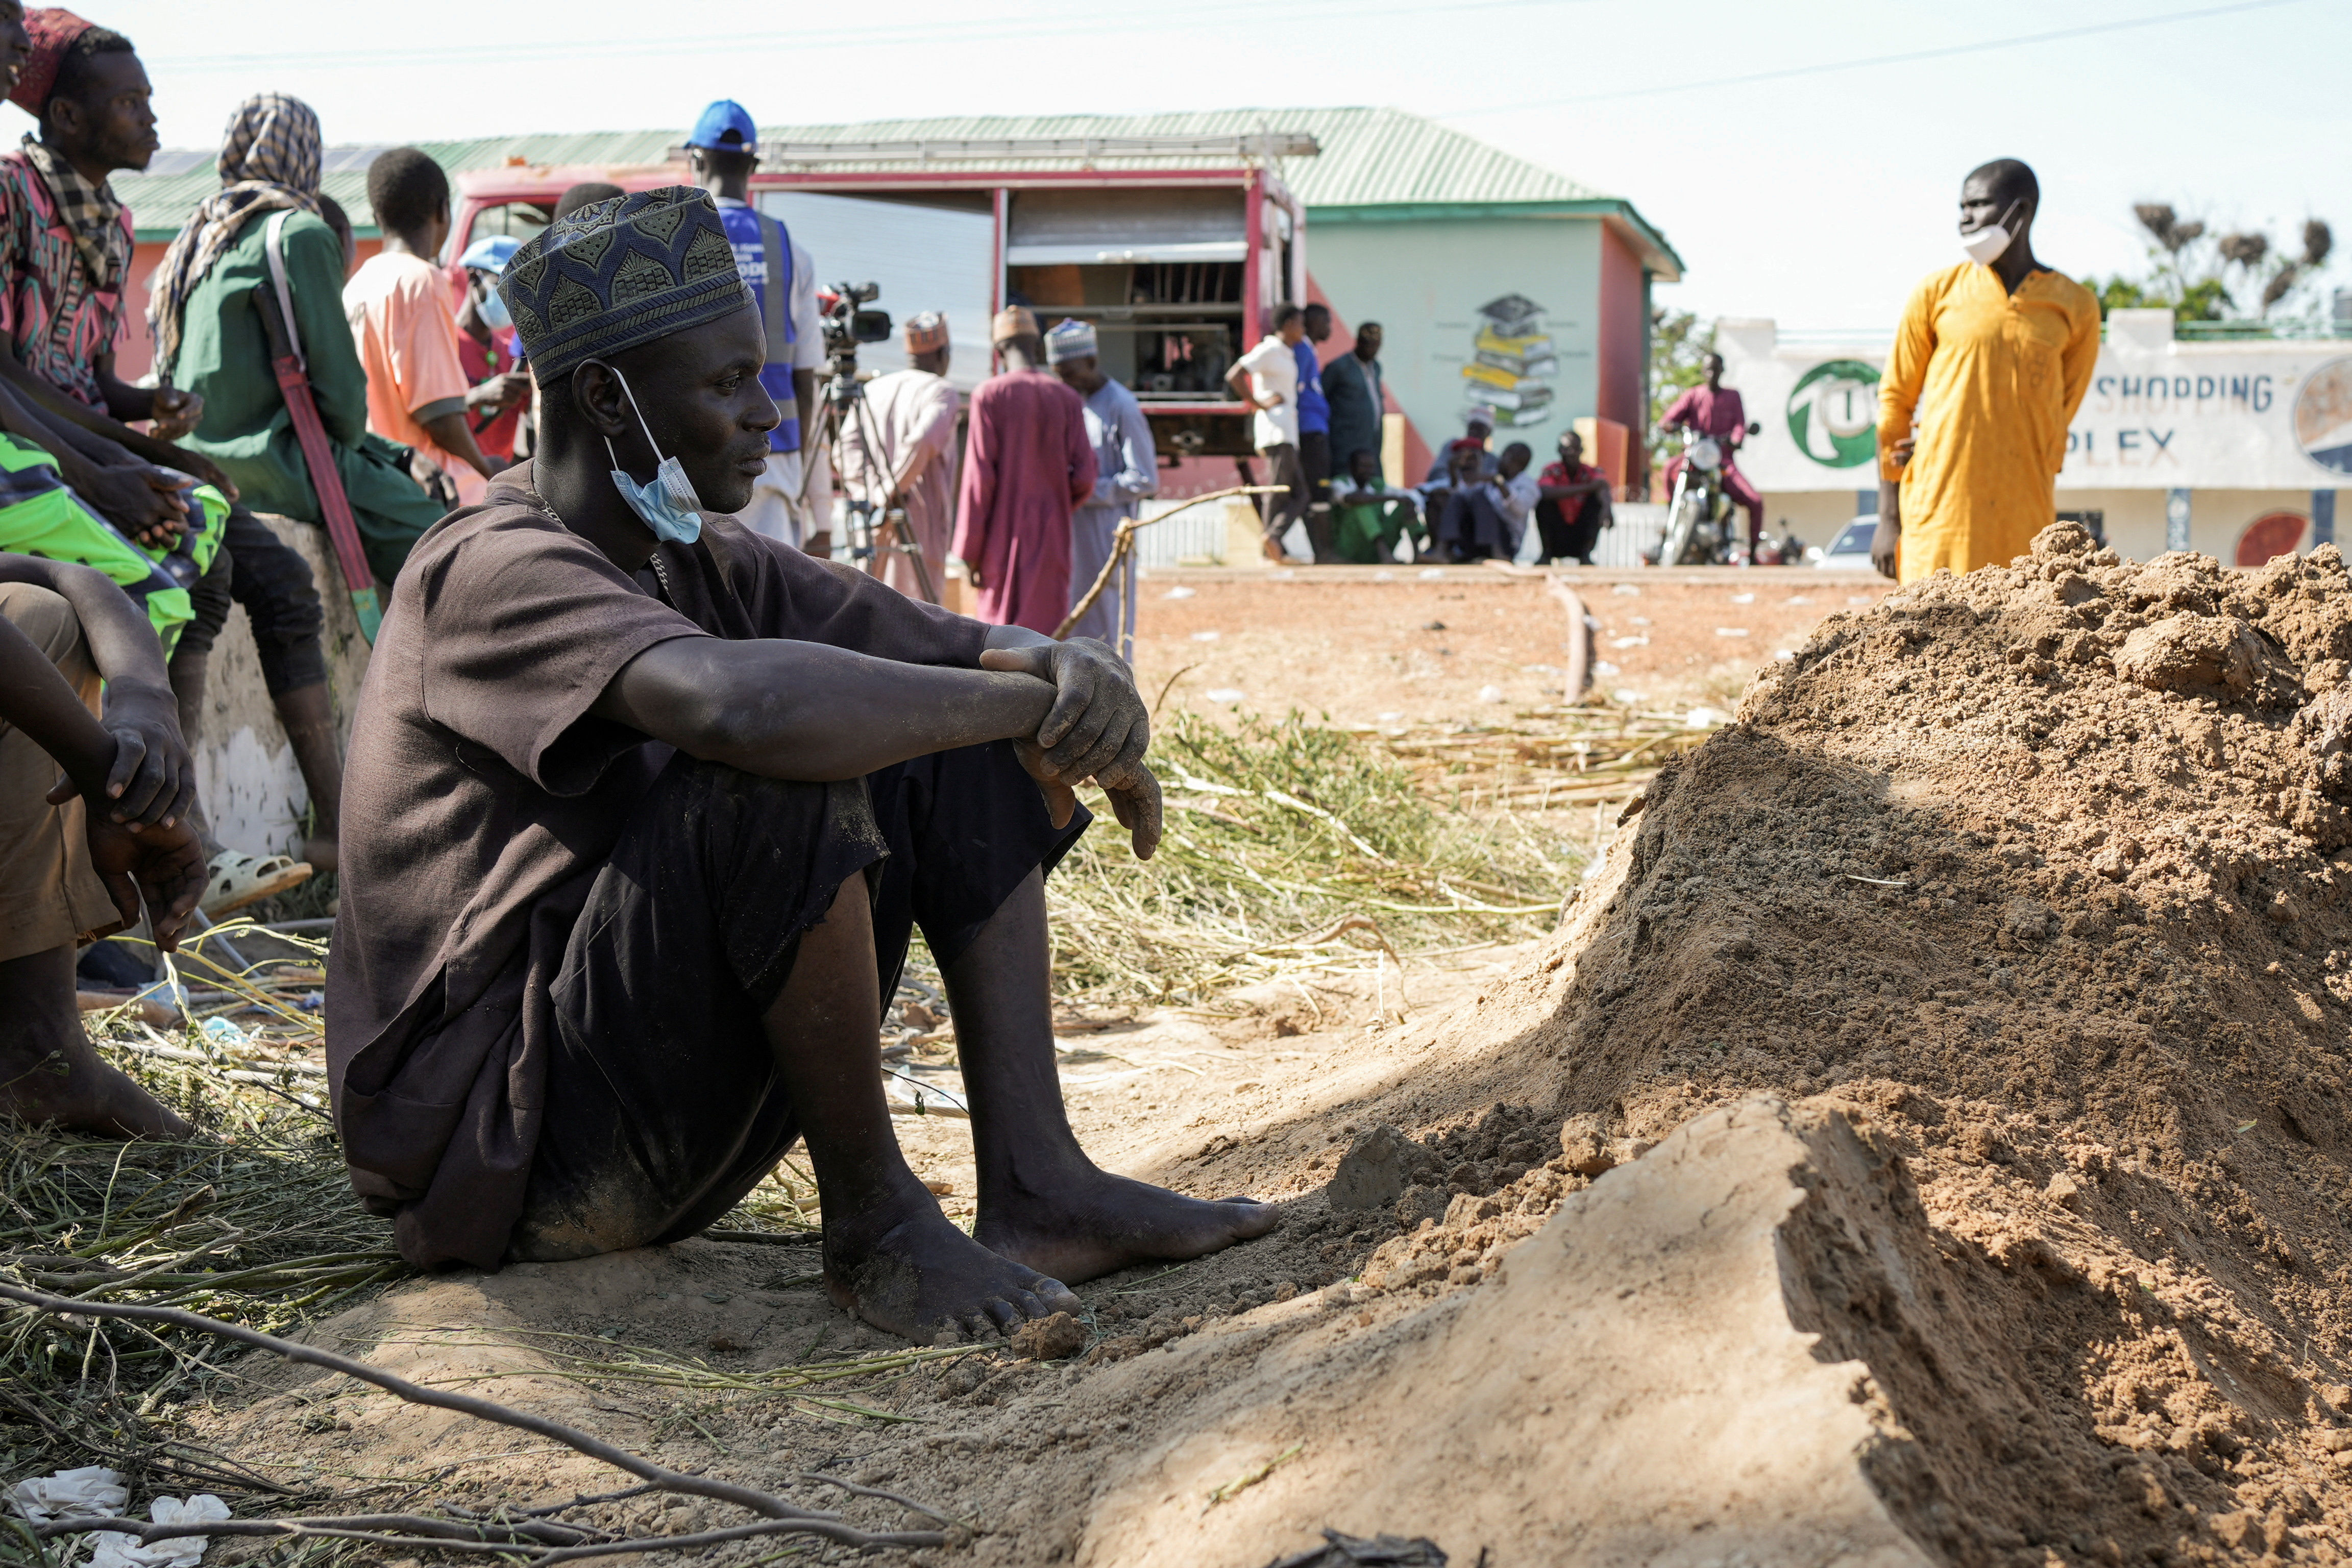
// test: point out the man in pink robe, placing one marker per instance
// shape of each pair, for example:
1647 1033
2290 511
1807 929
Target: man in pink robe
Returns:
1027 464
1715 409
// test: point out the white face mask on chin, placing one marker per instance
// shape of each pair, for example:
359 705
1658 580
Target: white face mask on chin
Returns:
1985 246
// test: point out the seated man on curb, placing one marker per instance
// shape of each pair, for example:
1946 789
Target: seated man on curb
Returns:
641 810
1487 518
1371 516
76 859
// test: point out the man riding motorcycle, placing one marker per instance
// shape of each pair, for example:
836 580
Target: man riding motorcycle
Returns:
1715 409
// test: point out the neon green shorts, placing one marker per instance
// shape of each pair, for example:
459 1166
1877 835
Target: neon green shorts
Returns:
39 516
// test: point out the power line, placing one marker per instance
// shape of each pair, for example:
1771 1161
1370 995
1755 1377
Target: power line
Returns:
1905 59
988 30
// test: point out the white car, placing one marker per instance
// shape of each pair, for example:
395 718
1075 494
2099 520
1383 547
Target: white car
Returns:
1849 551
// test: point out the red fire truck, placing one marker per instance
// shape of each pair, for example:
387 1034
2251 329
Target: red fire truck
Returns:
1176 247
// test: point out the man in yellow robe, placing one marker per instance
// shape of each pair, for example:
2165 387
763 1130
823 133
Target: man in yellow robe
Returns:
1990 364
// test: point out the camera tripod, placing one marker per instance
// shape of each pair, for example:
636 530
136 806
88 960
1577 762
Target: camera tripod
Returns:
845 408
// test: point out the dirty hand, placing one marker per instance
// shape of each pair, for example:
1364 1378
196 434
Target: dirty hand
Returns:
152 780
1885 545
176 412
1097 727
165 866
1135 800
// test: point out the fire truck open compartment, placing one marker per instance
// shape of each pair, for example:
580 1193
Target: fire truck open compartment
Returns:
1177 258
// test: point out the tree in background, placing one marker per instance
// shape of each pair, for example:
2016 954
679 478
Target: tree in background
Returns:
2205 277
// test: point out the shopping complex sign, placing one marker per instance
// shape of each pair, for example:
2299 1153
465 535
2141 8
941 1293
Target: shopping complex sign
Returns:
2159 413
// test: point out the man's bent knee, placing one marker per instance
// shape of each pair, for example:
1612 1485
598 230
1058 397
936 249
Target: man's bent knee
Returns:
42 615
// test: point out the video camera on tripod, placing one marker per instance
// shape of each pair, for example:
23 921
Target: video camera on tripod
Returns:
847 324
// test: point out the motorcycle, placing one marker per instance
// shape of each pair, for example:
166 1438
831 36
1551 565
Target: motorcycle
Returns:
1699 528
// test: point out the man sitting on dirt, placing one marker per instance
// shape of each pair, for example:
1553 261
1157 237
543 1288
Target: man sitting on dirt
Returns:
642 808
75 859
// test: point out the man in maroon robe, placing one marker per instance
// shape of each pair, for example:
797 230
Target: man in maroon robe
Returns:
1027 464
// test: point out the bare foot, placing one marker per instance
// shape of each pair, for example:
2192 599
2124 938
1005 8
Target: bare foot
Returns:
72 1089
1091 1223
901 1266
48 1072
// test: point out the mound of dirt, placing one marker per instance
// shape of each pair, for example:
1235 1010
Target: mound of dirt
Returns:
2043 867
2032 881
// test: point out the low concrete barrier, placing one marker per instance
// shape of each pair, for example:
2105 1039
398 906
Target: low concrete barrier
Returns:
245 766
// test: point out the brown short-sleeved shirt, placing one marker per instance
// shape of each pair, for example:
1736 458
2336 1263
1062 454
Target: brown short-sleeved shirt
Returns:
480 798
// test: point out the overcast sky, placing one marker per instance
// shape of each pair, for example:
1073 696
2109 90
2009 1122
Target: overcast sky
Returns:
1817 196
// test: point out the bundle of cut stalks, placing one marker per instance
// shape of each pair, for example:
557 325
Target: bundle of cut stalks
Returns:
1291 846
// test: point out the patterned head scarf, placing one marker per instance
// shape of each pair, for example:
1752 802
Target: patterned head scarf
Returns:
52 29
268 160
620 272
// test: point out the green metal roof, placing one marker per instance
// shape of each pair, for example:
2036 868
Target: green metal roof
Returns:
1371 160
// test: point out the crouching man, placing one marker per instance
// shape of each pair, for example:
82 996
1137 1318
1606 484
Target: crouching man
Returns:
79 856
641 811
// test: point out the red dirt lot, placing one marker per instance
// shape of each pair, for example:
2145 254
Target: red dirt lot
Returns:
1370 646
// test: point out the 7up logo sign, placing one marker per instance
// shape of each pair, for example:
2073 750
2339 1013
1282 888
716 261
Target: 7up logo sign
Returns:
1834 413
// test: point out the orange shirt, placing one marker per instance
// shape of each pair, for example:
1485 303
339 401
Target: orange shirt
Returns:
398 306
1988 380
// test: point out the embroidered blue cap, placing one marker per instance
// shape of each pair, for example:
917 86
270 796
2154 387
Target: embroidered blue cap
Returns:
621 272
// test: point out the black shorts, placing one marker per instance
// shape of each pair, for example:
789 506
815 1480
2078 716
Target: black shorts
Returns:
664 1105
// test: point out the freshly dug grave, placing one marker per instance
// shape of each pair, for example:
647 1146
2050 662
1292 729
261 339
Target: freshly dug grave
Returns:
1984 990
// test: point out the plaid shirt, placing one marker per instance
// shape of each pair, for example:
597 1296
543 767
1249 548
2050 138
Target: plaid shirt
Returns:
63 320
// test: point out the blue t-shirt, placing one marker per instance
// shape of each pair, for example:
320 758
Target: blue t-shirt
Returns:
1314 409
752 261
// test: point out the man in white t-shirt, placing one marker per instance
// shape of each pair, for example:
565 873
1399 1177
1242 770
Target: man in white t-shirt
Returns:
1266 378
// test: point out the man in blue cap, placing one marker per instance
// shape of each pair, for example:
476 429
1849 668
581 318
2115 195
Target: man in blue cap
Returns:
644 808
793 502
499 388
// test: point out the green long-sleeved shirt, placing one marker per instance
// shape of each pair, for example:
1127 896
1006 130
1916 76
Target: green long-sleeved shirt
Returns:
224 357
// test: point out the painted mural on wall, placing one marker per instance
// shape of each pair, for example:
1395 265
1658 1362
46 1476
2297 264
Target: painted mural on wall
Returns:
2159 415
1512 362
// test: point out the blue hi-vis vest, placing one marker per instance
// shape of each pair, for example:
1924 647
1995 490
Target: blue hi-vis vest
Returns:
763 252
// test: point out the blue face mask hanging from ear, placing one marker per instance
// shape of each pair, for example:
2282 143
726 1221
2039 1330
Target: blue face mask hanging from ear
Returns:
666 503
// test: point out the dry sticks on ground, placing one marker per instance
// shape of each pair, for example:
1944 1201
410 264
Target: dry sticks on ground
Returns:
542 1536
